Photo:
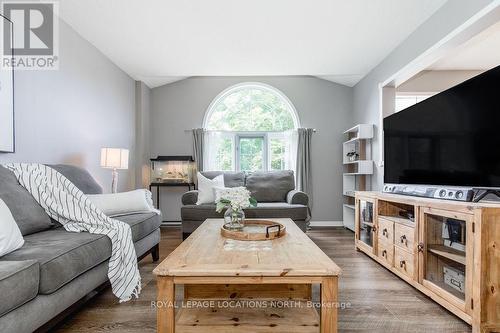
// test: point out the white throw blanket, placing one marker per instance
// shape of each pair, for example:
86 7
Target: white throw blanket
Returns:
65 203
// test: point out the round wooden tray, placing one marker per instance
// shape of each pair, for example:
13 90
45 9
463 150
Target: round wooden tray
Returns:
256 230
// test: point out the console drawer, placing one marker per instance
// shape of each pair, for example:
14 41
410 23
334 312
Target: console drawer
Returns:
404 262
404 237
386 253
386 230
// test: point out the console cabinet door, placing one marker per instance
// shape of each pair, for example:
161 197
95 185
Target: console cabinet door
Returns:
446 255
365 224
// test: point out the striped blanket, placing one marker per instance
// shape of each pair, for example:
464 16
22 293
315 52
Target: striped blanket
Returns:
65 203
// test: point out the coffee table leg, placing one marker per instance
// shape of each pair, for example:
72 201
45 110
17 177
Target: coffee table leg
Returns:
329 316
165 309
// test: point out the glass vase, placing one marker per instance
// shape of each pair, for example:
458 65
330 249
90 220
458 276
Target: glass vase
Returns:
234 219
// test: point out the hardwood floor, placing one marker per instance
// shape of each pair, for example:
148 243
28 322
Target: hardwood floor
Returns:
379 301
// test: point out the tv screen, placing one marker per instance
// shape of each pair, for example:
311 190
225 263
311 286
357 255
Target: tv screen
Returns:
452 138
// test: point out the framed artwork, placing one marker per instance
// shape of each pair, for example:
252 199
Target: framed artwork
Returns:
7 135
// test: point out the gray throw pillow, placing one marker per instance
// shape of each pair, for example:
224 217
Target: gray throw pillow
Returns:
270 186
28 214
78 176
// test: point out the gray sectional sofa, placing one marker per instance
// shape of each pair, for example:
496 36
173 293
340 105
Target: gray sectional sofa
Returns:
55 269
274 190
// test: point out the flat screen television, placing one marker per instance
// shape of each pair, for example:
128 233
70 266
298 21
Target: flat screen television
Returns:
452 138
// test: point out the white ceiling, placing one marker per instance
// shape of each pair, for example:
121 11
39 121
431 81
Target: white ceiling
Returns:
482 52
161 41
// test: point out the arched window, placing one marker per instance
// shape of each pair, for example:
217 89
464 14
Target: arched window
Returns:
250 127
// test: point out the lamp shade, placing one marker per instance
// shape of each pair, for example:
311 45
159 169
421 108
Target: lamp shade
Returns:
114 158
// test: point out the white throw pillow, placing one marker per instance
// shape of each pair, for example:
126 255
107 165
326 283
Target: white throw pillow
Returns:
10 235
124 203
218 191
206 187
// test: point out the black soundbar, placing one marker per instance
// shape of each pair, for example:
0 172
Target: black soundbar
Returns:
429 191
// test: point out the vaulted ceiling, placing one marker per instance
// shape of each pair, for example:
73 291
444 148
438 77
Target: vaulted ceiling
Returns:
161 41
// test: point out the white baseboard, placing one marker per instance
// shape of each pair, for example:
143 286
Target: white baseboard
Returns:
312 224
327 223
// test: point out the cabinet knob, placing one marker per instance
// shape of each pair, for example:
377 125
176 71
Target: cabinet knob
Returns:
404 240
384 253
402 263
384 232
420 247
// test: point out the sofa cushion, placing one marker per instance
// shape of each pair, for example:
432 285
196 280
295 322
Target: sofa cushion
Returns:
277 210
263 210
28 214
19 282
62 255
141 224
231 179
80 177
270 186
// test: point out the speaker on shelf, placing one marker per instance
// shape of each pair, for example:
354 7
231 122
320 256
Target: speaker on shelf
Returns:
437 192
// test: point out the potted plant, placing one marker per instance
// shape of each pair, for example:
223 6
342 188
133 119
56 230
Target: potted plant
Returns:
352 156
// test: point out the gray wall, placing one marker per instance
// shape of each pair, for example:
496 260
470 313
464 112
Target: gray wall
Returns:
366 93
143 134
320 104
66 116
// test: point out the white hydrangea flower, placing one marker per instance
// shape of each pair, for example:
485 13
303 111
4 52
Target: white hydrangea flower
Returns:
239 197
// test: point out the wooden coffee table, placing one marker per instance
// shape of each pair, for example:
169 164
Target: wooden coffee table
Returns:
228 272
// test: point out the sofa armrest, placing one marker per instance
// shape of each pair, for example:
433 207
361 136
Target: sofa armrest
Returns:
190 197
297 198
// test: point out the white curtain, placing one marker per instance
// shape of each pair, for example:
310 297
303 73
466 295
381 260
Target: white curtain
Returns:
220 149
214 146
289 141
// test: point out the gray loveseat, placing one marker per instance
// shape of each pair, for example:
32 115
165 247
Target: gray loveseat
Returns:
274 190
54 269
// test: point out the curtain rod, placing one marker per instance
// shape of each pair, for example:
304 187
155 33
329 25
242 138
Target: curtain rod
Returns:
189 130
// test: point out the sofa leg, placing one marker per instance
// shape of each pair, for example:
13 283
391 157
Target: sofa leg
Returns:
155 252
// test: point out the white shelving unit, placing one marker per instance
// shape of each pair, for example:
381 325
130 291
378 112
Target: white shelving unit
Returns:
357 172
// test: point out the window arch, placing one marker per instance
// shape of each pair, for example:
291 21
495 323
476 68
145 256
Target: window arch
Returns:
250 126
251 106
